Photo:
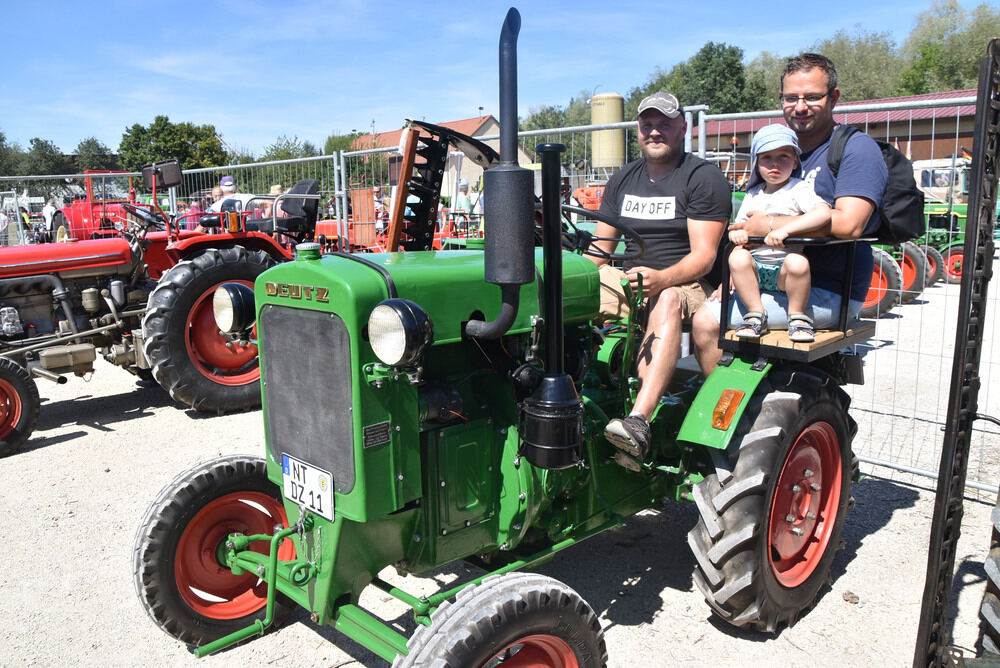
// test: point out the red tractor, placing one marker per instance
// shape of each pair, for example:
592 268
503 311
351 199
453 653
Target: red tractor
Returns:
142 299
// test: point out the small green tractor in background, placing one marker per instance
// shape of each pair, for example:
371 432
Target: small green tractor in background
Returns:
416 414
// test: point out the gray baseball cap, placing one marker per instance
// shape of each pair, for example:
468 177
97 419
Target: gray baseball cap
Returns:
665 103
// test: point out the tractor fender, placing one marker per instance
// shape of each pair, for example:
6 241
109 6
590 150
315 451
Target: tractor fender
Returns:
186 247
740 375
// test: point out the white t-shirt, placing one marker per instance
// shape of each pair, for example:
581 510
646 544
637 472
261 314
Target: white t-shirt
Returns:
47 212
241 198
792 199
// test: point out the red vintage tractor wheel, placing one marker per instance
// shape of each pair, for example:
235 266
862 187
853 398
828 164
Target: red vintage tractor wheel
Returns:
190 358
536 622
953 259
218 359
19 405
770 525
179 553
913 264
208 587
935 265
884 291
804 508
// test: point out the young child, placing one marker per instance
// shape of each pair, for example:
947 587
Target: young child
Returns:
776 189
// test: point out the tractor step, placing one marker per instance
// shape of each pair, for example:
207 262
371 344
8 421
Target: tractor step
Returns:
776 344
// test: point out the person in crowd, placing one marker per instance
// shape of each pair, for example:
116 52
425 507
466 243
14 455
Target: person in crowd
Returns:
679 204
775 189
230 200
809 94
48 211
268 208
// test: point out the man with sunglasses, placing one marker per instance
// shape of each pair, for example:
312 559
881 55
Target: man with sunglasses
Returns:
809 93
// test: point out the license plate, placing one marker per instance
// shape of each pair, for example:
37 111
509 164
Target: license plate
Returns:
308 486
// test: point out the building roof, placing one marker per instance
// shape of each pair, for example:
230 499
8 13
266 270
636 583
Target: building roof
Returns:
745 125
467 126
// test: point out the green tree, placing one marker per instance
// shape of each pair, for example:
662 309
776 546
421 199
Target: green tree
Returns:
714 76
763 75
191 145
945 47
285 148
44 157
92 154
10 156
868 65
543 118
337 142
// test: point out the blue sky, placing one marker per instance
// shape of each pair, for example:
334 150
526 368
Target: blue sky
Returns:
310 68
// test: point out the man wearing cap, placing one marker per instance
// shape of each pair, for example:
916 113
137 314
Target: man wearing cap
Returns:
230 199
808 95
679 204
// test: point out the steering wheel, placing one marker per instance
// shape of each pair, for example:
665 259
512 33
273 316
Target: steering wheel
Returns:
582 240
145 216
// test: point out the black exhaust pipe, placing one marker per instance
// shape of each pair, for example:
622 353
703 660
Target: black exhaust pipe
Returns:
509 203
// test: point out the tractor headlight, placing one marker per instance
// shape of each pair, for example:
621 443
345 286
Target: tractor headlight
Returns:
399 332
233 306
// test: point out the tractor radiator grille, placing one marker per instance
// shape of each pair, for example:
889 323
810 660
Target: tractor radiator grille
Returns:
306 376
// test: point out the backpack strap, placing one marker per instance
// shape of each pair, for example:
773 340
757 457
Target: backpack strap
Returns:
838 141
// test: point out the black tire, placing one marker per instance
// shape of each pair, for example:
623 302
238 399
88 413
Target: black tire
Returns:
201 507
508 612
59 221
935 265
212 377
19 404
760 559
989 611
913 265
884 292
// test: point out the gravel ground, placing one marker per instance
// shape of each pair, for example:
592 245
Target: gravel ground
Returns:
77 491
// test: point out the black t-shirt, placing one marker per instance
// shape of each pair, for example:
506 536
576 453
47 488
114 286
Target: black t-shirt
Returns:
658 210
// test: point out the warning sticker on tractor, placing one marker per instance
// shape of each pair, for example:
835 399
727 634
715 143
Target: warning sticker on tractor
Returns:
307 486
377 434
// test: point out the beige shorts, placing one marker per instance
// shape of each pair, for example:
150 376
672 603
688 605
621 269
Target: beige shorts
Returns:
614 304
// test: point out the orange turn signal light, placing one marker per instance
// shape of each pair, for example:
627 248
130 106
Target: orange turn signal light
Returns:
233 222
725 408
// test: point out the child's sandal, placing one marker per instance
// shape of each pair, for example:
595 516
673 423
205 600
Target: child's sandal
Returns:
754 325
800 328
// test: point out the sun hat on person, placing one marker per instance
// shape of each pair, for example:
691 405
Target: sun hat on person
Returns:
276 189
769 138
665 103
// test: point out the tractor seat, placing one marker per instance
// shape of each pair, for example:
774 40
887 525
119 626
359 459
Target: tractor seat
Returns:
295 216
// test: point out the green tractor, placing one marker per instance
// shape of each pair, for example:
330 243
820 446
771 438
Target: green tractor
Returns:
416 415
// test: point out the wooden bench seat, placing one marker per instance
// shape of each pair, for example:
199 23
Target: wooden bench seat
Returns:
777 344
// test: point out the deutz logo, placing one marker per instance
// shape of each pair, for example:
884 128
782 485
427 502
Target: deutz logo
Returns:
295 291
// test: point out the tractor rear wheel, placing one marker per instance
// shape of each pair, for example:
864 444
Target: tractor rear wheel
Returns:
19 405
179 577
935 265
989 611
884 292
517 620
190 358
953 258
770 526
913 264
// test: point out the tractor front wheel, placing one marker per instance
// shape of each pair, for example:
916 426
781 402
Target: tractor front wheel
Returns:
953 258
190 358
935 265
913 264
179 575
517 620
884 292
770 525
19 405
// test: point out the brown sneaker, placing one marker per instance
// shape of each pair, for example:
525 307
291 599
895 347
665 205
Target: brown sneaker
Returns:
630 434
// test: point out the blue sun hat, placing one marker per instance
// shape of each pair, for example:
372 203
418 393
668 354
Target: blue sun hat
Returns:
769 138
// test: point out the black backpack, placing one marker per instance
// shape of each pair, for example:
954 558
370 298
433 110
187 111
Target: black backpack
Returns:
902 210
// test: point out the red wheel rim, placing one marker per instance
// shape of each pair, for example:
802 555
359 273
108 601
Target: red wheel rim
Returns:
909 272
208 587
10 408
878 287
234 364
535 651
805 505
931 266
953 263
